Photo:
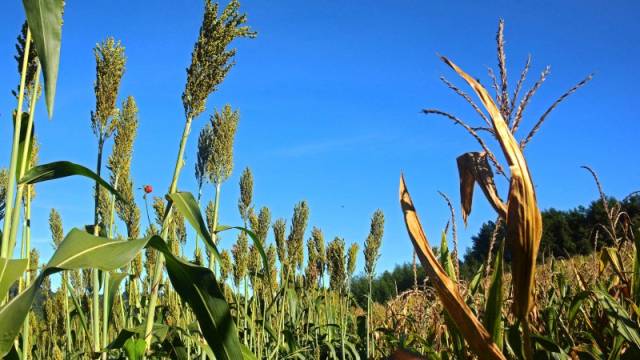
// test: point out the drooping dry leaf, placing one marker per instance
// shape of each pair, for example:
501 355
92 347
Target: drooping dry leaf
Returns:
473 167
524 230
473 331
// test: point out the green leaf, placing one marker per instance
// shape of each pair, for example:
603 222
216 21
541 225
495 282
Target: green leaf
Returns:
198 287
187 206
495 298
78 309
247 354
78 250
10 271
45 22
618 317
256 242
134 349
474 284
61 169
549 345
445 258
576 303
158 332
113 285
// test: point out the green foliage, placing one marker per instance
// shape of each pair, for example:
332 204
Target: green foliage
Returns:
45 23
387 285
61 169
565 233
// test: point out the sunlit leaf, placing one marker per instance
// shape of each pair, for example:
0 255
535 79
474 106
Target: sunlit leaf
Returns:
10 271
45 22
61 169
473 331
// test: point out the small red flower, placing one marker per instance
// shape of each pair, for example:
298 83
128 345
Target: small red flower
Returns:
148 189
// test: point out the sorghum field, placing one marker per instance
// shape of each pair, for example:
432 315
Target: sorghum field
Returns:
124 286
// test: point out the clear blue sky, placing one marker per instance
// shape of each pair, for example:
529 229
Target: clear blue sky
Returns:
330 96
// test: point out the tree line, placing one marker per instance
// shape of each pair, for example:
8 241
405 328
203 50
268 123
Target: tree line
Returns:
565 233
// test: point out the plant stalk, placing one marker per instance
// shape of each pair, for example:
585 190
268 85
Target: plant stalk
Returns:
157 274
4 248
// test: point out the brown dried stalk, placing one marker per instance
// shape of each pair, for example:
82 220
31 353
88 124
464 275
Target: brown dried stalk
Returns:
523 219
473 331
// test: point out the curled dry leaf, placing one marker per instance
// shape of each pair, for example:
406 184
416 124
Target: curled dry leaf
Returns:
523 219
473 167
473 331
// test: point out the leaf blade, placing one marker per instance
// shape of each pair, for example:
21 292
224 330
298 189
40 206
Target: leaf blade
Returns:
62 169
45 22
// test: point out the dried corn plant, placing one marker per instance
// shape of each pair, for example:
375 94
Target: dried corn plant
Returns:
520 212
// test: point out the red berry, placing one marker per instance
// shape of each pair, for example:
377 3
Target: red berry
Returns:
148 189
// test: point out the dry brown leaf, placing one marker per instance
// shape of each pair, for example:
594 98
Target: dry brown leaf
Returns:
523 220
524 230
473 331
473 167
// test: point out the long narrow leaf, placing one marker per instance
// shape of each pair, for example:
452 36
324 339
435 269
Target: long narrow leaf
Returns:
198 287
113 285
78 250
61 169
495 298
45 22
473 331
187 206
10 271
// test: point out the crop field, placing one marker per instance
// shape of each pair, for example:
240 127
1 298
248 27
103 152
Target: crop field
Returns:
148 277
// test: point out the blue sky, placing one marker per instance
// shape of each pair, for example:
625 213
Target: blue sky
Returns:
330 95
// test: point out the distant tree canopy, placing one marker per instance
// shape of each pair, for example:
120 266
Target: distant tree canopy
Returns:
386 285
565 233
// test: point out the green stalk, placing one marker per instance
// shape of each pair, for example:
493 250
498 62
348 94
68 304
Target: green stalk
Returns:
157 274
67 318
95 283
244 315
214 236
26 328
342 325
15 216
4 249
369 319
27 205
105 281
76 303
